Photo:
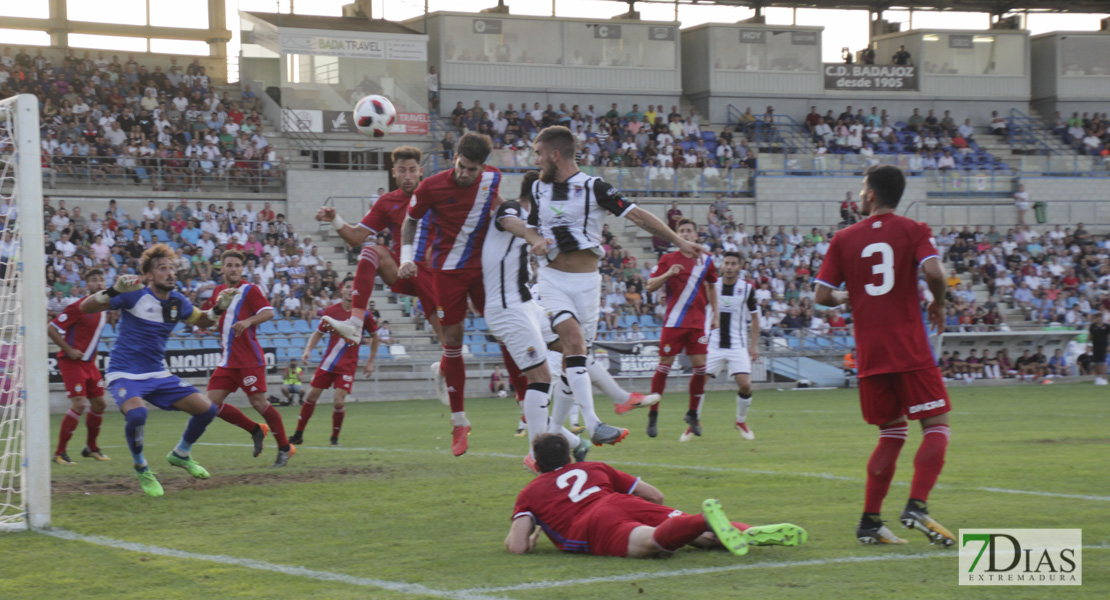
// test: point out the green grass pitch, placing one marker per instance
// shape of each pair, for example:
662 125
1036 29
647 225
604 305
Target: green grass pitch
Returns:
391 507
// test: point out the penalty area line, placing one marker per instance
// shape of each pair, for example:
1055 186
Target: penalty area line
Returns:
414 589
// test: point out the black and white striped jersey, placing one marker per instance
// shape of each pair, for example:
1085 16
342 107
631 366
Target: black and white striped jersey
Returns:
571 212
737 305
505 265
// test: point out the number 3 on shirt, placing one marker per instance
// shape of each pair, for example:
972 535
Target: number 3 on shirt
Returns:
576 492
884 268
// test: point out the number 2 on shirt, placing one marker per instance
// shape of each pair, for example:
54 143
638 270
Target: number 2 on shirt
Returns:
885 267
577 494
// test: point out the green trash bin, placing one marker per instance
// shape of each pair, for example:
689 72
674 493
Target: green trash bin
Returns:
1041 210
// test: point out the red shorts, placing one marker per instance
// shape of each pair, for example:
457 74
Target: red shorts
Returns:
323 380
674 341
251 380
453 288
913 394
82 379
609 523
422 286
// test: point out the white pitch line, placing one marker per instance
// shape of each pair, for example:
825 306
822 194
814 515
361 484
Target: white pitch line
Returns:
543 585
258 565
628 463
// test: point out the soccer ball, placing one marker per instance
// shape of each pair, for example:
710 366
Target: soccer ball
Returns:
374 115
502 394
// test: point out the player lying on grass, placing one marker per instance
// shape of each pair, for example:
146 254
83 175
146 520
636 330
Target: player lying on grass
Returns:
148 315
592 508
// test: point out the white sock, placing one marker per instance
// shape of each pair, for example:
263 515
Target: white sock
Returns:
579 379
742 406
602 379
562 401
458 419
536 399
572 439
574 414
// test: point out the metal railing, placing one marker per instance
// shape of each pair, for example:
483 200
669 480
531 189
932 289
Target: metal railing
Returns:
781 132
161 174
1023 130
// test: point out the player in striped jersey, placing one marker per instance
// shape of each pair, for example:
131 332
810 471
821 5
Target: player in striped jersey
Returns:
242 364
460 202
690 290
338 368
569 209
77 336
735 343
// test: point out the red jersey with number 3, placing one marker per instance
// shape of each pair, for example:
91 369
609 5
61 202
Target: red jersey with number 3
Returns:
877 259
686 297
559 499
242 351
459 217
341 357
80 330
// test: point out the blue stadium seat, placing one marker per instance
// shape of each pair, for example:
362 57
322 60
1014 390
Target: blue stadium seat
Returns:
285 326
709 136
161 235
480 324
900 125
301 326
647 321
284 354
316 355
383 351
173 344
145 233
282 342
267 328
108 332
882 148
364 352
315 324
210 344
192 343
102 347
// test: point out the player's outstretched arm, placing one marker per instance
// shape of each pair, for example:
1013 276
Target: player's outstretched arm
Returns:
209 318
826 296
520 229
936 278
368 368
259 318
522 535
753 343
101 301
408 253
655 226
352 235
648 492
657 282
312 341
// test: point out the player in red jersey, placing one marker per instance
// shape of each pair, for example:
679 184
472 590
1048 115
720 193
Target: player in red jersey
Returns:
387 214
337 370
460 202
592 508
242 364
77 335
690 289
877 260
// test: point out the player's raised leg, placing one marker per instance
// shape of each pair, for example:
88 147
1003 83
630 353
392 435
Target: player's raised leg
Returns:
202 411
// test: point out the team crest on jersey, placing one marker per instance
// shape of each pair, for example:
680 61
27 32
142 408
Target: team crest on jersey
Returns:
173 313
876 224
439 312
577 189
77 388
250 380
62 317
531 352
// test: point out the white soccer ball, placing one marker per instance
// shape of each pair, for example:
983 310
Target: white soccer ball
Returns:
374 115
502 394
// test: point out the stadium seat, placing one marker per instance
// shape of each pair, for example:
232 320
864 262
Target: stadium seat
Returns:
284 354
147 237
282 342
162 236
173 344
108 332
900 125
192 344
301 326
709 136
315 356
210 344
267 328
364 352
383 351
102 347
480 324
647 321
315 324
285 326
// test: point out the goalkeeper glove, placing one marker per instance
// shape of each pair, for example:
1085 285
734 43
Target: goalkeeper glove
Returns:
123 284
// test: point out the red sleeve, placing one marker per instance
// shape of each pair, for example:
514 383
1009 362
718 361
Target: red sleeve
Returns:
377 219
711 272
521 505
926 245
256 300
211 301
622 482
661 267
832 273
68 317
421 201
369 325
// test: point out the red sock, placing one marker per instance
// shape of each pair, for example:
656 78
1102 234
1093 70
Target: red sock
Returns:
929 461
880 469
659 383
92 424
454 369
236 417
741 526
306 414
520 382
337 421
273 419
69 425
697 388
676 532
364 278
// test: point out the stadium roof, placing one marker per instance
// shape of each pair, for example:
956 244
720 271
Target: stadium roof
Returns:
332 23
996 7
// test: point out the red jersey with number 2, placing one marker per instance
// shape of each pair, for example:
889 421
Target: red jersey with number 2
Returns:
877 259
561 499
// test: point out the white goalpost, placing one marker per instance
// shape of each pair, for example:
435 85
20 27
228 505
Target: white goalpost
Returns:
24 383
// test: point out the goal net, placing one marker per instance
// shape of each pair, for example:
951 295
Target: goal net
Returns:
24 386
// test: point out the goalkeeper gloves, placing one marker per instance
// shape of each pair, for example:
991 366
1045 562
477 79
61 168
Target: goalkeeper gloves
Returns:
123 284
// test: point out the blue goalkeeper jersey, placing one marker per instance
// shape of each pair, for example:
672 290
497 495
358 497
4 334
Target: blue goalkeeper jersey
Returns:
146 322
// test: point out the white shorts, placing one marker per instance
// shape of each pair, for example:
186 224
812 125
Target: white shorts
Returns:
520 329
571 295
736 359
1024 205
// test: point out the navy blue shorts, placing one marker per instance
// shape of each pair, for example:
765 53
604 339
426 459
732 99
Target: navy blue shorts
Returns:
162 392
